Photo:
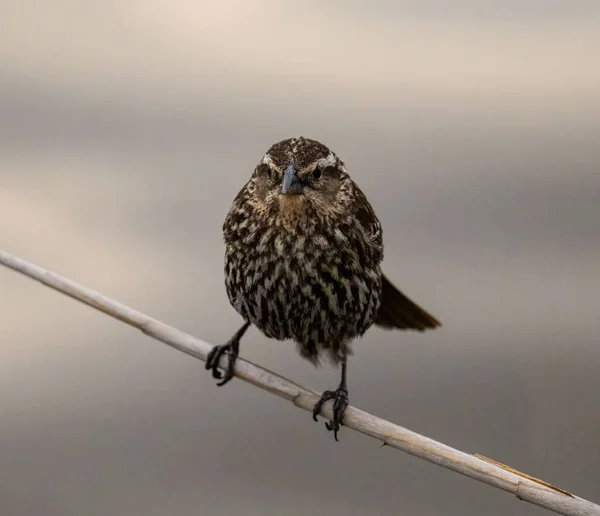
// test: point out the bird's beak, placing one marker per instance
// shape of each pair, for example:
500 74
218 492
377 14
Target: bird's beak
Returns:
291 182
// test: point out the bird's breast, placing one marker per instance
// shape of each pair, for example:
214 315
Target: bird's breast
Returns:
305 285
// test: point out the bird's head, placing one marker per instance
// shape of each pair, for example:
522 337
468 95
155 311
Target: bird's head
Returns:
299 177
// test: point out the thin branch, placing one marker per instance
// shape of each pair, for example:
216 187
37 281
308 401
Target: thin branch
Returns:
477 467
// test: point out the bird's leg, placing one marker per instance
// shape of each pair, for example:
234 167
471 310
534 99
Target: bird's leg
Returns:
231 349
340 402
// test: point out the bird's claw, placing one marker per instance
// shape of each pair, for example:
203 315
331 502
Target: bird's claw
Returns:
214 356
340 402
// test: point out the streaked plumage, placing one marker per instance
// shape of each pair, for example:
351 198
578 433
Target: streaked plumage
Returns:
303 252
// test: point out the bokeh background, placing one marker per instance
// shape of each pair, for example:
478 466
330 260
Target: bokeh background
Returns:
126 129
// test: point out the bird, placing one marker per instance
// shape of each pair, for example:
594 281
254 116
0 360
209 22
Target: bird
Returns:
303 255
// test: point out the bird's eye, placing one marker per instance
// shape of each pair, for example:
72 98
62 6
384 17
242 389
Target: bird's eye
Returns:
317 173
271 174
264 170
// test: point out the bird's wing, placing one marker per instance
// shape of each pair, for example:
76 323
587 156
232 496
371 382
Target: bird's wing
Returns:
365 215
396 310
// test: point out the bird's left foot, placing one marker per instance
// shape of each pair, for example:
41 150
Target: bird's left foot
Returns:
340 402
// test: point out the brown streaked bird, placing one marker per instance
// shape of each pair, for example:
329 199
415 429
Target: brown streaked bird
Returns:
303 252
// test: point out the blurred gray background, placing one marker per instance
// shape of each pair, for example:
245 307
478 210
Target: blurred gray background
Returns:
126 129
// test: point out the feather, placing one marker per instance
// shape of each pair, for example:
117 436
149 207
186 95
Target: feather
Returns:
397 311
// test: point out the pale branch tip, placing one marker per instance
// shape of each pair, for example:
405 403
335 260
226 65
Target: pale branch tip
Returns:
478 467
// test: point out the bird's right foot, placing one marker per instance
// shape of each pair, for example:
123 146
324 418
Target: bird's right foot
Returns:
231 349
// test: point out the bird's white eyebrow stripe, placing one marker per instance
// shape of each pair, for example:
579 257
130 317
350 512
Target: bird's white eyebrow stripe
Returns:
329 161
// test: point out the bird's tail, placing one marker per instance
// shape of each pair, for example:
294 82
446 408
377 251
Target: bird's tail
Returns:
397 311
